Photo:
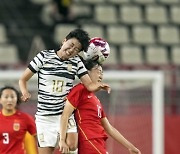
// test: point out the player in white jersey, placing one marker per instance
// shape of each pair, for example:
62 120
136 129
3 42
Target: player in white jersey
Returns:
56 72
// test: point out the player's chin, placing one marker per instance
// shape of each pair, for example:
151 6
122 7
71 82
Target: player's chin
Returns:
67 56
10 107
71 56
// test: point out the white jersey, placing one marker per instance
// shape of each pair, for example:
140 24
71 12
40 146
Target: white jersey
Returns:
55 79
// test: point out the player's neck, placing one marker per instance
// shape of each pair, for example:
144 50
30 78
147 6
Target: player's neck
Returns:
8 112
59 54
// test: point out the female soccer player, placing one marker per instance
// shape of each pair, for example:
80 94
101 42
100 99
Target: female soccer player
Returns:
14 124
56 72
91 119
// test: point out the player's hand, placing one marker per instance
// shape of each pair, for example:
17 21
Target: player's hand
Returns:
63 147
134 151
106 87
26 96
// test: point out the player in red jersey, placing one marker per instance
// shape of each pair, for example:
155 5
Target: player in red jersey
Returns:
13 123
91 119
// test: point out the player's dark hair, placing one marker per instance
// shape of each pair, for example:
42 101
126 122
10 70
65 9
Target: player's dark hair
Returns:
14 89
89 64
82 36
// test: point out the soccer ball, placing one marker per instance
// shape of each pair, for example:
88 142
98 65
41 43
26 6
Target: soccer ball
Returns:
98 50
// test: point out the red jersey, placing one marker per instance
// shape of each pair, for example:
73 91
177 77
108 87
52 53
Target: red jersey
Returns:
88 113
12 132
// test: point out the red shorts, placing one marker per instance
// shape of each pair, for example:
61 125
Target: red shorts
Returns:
92 146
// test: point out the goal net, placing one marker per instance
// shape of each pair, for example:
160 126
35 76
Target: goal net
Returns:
134 106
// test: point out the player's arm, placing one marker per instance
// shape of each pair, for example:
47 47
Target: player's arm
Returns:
85 79
23 84
68 109
116 135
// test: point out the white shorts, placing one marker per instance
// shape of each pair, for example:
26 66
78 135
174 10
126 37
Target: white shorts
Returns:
48 128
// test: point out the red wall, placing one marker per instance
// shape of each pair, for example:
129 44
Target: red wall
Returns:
172 134
138 130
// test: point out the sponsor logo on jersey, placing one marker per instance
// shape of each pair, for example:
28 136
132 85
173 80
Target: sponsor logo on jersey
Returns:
89 96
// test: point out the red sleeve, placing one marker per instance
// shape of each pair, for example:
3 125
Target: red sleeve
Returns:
31 127
75 95
103 113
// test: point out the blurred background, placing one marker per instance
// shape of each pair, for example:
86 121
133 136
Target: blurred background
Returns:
142 34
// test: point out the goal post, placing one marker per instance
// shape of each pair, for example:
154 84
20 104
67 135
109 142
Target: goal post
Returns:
157 79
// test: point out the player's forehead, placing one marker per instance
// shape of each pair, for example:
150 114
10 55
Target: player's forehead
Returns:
8 92
75 42
98 67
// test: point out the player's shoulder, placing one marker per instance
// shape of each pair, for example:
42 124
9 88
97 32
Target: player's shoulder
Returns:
48 52
23 114
79 87
0 112
45 55
75 59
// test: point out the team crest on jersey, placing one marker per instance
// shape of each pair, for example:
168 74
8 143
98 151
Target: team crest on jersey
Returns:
16 126
69 67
